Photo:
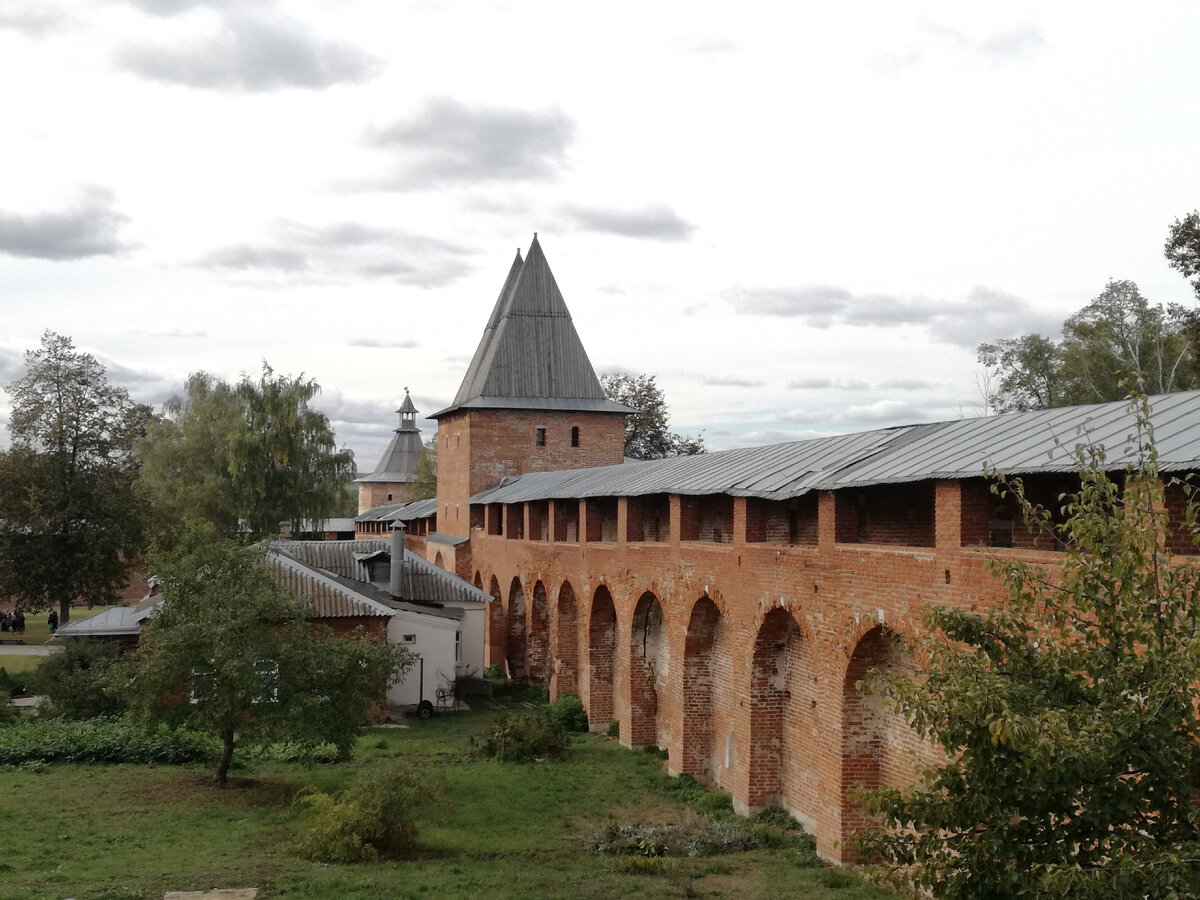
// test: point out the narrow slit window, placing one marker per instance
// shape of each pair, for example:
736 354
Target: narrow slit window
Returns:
541 437
574 435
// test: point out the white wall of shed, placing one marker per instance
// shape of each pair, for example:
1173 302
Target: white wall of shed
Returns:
434 644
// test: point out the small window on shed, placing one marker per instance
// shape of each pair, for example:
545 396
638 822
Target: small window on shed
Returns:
389 497
409 639
267 672
541 437
574 435
203 684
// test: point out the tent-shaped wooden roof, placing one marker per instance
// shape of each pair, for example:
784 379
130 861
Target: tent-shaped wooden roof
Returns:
530 356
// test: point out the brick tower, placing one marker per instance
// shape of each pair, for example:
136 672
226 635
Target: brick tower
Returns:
530 401
392 479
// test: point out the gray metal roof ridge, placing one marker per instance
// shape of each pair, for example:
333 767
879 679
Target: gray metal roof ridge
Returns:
1013 443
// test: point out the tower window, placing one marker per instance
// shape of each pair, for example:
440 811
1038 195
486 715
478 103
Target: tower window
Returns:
541 437
574 435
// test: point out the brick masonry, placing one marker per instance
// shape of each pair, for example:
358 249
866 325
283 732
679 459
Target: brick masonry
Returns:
733 632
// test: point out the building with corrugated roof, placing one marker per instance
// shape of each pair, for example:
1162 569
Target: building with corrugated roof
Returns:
726 607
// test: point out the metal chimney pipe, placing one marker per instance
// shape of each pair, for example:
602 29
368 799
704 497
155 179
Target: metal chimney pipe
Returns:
397 566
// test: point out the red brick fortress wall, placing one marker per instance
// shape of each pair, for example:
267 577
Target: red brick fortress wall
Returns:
739 645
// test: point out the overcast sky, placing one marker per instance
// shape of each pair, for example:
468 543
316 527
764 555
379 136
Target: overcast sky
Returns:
801 217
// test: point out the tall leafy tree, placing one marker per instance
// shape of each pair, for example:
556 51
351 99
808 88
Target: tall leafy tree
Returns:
231 652
1067 716
244 457
1117 337
1183 248
71 524
647 432
1026 370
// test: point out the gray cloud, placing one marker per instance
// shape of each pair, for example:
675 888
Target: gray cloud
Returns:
89 228
174 7
450 142
731 381
35 18
12 366
153 388
658 222
802 417
906 384
1019 44
815 384
384 343
342 251
821 384
882 412
249 49
985 314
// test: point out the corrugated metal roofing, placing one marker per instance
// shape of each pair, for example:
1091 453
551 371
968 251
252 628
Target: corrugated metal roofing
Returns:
400 512
530 350
1013 444
344 563
120 620
431 584
330 597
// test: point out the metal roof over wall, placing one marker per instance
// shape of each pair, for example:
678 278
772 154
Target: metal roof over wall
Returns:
1012 444
400 512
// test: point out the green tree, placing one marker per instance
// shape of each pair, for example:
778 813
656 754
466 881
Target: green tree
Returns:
72 681
426 484
1067 716
244 457
231 652
1027 371
647 435
1183 248
71 524
1117 337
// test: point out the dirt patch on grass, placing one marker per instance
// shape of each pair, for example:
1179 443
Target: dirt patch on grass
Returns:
170 787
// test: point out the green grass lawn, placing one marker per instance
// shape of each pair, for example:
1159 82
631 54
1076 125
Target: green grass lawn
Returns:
14 664
512 831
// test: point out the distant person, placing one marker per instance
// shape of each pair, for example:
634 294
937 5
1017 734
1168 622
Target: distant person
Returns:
52 620
20 624
5 621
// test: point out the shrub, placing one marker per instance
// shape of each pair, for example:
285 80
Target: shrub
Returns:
8 712
568 712
691 840
614 729
806 853
523 737
72 682
12 683
372 820
778 817
101 741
